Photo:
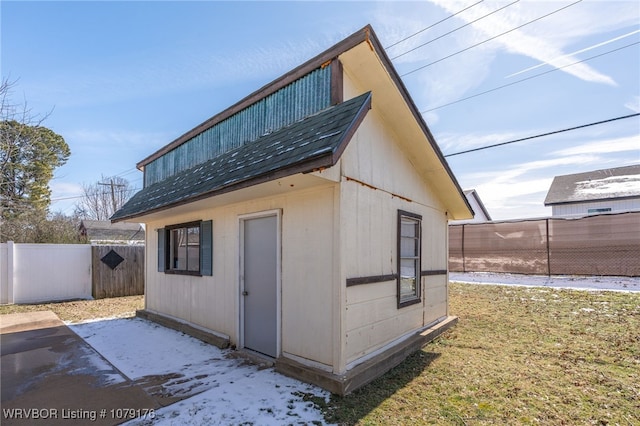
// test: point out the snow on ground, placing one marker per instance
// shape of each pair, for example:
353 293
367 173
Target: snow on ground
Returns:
220 388
555 281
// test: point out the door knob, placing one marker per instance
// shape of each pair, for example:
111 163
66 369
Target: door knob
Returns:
245 293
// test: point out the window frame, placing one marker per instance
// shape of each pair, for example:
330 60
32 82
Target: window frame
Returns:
417 297
598 210
167 249
205 249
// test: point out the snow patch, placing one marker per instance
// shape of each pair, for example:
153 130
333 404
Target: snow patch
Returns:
610 283
220 388
612 185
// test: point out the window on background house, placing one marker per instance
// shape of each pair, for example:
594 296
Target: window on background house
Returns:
409 256
600 210
186 248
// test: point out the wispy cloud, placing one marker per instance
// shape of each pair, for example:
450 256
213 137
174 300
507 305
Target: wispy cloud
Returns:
523 41
629 143
634 104
568 55
512 174
519 190
65 189
450 142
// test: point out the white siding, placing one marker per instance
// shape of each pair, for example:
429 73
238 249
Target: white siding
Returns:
479 216
582 209
307 270
344 227
379 179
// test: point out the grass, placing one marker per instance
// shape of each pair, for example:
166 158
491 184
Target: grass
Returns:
517 356
80 310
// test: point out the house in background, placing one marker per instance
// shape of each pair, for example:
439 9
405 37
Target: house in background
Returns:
614 190
481 214
319 207
105 232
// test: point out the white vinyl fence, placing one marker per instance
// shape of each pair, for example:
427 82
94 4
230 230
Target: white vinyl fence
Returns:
31 273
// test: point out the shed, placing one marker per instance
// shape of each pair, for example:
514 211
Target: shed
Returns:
612 190
306 223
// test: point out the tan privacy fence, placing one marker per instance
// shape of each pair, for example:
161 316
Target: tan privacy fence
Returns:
117 270
606 244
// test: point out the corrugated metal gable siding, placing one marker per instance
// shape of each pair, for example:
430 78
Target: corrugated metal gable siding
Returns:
303 97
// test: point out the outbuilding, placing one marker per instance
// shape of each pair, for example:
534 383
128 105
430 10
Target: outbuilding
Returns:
306 223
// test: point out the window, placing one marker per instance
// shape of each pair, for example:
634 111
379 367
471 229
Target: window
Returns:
185 249
601 210
409 253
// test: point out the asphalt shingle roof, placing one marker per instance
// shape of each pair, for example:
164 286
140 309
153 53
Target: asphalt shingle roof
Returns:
103 230
311 143
605 184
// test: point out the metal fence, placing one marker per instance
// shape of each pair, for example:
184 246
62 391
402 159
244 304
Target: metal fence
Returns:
607 244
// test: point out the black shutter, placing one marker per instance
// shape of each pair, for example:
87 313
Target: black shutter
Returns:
161 248
206 248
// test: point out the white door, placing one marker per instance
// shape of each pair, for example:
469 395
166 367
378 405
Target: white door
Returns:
259 274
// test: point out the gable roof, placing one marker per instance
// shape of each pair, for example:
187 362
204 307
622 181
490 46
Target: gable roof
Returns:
605 184
362 55
103 230
472 193
312 143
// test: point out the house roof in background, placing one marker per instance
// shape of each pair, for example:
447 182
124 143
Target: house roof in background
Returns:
104 230
309 144
596 185
472 193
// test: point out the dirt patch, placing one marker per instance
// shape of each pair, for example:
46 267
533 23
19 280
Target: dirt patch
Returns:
82 310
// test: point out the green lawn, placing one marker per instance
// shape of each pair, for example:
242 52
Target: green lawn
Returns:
517 356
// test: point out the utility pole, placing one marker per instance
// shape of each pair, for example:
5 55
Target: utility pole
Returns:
113 192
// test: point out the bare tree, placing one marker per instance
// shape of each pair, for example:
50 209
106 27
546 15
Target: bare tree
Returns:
102 199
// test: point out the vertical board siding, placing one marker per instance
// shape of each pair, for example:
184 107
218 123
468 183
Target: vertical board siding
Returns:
303 97
127 279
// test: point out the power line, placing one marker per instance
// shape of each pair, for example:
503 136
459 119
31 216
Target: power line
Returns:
454 30
489 39
432 25
53 200
527 78
544 134
575 52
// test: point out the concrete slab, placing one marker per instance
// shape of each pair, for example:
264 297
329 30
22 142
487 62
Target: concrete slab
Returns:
13 323
52 375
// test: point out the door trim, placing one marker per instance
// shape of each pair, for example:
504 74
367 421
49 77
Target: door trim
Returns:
241 219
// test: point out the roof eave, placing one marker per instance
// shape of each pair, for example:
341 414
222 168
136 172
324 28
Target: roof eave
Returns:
310 165
371 38
592 200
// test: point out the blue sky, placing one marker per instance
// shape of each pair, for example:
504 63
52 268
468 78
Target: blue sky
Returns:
125 78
